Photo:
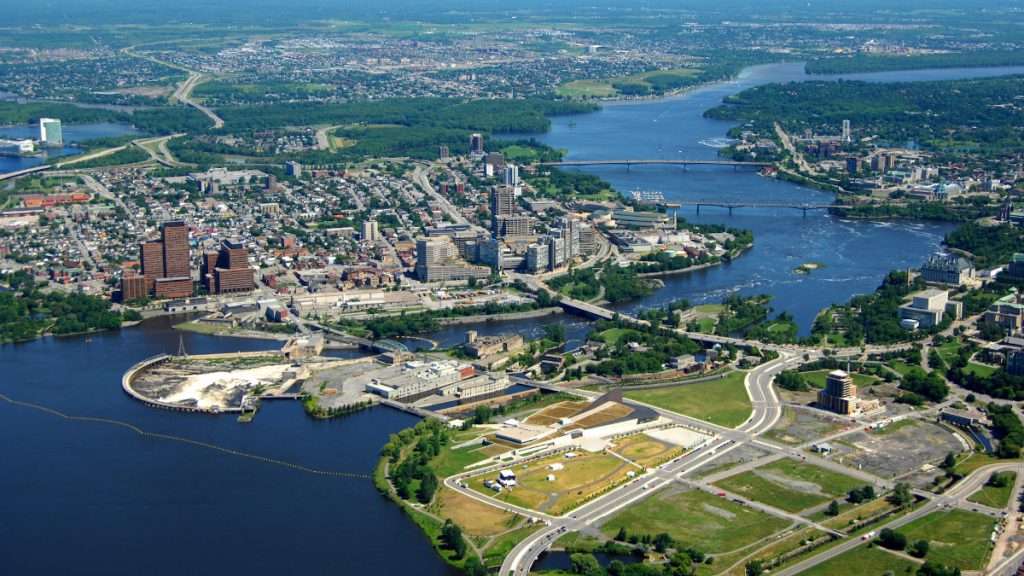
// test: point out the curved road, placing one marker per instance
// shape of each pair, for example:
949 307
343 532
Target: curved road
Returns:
766 412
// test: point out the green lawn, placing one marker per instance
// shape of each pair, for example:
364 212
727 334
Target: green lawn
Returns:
958 538
612 336
776 484
712 524
450 461
948 352
817 378
863 561
586 89
724 402
981 370
902 367
995 496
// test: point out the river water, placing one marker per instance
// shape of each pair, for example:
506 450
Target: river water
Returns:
95 498
856 254
98 498
73 133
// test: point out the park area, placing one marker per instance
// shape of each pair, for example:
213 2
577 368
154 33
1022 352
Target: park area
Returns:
713 525
723 401
559 483
790 485
957 537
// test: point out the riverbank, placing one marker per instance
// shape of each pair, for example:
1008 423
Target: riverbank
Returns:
507 317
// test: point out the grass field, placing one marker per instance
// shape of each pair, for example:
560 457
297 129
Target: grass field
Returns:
724 402
644 450
204 327
981 370
995 496
612 336
474 517
817 378
863 560
958 538
948 352
790 485
449 462
586 89
581 477
902 367
712 524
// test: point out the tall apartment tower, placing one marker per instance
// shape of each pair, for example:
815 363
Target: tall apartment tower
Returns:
370 231
476 144
442 152
50 132
511 175
846 131
503 203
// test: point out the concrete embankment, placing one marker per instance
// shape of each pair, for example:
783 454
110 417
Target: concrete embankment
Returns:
128 380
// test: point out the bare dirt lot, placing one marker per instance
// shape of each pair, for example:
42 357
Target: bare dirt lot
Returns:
897 450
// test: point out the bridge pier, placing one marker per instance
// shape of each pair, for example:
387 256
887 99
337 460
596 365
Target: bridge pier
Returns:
805 212
698 209
730 210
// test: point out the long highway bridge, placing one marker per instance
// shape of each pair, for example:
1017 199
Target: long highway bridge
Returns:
731 205
655 162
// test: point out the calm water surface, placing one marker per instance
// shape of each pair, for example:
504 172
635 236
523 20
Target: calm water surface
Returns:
93 498
73 133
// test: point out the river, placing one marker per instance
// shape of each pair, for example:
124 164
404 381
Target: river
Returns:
90 497
73 133
856 254
96 498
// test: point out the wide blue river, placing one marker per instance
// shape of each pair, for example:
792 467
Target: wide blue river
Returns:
97 497
856 254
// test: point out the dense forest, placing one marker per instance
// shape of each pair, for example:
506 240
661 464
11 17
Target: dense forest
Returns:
872 63
991 246
509 116
979 115
26 311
